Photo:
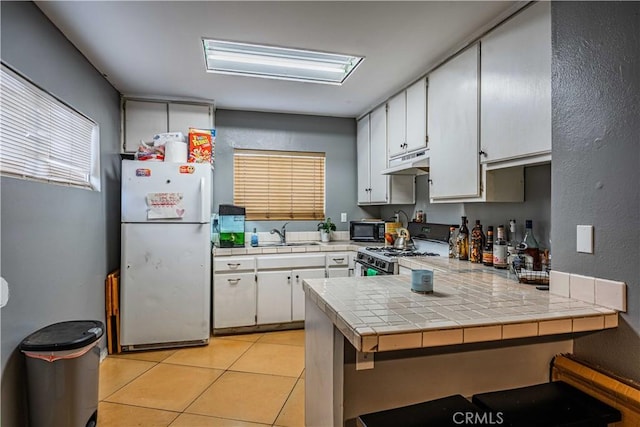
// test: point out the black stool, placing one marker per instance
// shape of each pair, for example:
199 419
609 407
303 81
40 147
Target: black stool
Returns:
447 411
551 404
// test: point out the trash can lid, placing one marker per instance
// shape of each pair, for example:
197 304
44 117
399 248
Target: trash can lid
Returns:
63 336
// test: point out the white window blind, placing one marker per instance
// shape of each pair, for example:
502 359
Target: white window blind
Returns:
44 139
274 185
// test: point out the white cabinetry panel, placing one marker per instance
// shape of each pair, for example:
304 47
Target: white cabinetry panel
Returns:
364 168
516 87
234 300
185 116
378 158
274 297
297 293
417 115
453 126
397 123
142 120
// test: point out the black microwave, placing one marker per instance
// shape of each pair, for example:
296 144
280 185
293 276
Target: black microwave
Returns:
367 231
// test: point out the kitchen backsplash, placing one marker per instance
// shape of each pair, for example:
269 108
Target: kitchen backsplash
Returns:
295 236
608 293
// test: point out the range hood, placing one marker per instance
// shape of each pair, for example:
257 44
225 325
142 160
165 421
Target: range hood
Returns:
416 163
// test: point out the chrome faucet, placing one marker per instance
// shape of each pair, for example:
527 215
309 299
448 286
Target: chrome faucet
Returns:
282 233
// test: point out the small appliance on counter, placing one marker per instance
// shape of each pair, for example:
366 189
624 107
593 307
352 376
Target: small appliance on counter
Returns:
231 223
367 230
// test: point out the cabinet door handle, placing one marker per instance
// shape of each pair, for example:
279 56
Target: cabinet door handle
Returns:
233 281
338 260
482 153
233 266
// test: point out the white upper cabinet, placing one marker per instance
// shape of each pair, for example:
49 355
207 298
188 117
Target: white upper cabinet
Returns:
516 90
362 147
407 119
417 115
378 183
397 124
454 170
143 119
373 187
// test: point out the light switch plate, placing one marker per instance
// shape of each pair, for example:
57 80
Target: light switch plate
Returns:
584 239
343 217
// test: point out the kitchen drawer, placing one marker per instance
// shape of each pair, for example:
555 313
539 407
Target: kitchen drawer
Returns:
230 264
338 259
293 261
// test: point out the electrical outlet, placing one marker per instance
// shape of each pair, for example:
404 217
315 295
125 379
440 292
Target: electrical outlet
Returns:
343 217
584 239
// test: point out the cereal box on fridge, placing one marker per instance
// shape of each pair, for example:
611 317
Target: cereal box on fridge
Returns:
202 144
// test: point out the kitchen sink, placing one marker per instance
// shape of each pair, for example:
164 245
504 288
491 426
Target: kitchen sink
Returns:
275 244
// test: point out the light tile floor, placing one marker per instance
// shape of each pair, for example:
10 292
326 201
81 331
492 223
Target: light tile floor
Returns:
241 380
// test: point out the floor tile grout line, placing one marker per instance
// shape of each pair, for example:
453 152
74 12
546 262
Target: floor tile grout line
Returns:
224 371
141 406
285 401
128 382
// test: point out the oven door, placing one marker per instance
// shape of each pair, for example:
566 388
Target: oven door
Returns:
363 269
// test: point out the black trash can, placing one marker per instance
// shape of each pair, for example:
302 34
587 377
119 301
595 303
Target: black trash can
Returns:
63 362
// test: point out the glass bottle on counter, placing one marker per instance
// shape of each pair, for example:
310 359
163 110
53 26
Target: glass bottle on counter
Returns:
453 245
530 245
463 241
477 243
254 238
487 251
500 250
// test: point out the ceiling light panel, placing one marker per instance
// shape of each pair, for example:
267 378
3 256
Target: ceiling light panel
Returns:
254 60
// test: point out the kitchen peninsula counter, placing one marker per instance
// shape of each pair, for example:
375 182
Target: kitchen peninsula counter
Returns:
373 344
470 303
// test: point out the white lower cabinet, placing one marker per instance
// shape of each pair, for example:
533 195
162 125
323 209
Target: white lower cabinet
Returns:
297 293
267 289
234 300
234 292
274 297
340 264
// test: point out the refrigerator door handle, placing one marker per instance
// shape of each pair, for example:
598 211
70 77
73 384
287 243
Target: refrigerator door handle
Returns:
203 217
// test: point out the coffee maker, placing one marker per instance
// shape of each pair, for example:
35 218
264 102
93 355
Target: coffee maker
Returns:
231 223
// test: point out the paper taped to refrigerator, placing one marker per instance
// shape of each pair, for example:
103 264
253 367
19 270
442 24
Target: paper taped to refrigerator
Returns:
164 206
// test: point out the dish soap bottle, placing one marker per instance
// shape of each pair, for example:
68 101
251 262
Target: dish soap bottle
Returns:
254 238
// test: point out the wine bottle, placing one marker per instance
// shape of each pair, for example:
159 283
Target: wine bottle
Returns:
477 243
487 251
500 250
453 245
463 241
530 245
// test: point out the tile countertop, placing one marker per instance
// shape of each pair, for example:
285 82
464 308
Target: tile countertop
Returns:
334 246
470 303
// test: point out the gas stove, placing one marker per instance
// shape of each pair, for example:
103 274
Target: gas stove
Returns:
384 260
434 241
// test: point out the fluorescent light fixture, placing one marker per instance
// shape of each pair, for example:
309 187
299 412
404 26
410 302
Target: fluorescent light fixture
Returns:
282 63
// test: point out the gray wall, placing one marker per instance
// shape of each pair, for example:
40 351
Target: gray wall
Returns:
596 160
58 243
263 131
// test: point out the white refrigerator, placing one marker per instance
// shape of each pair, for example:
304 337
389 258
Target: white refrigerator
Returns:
166 255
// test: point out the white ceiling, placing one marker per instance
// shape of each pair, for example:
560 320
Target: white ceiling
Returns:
153 48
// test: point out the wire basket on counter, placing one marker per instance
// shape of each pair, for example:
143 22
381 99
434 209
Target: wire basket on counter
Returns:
522 267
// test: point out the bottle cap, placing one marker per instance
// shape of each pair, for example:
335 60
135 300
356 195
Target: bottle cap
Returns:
528 223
